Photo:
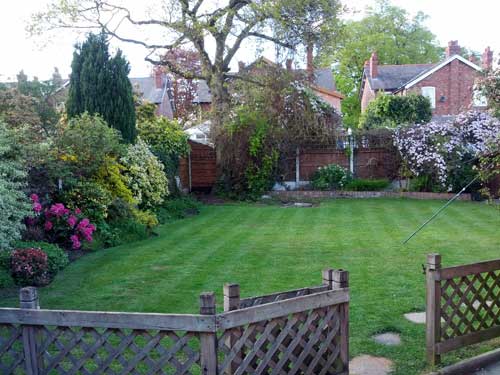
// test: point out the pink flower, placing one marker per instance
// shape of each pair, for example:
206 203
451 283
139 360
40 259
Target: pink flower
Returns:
83 224
78 211
48 225
72 220
76 244
58 209
37 207
34 198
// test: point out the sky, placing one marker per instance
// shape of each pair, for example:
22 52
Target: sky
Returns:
473 24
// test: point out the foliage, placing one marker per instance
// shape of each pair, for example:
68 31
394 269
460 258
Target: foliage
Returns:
394 110
145 175
330 177
490 87
83 147
14 203
439 149
99 84
89 197
167 141
111 177
489 168
178 208
146 218
184 90
69 229
393 34
215 32
57 259
29 267
271 117
360 184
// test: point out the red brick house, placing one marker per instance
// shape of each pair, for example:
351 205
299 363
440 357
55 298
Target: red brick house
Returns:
449 84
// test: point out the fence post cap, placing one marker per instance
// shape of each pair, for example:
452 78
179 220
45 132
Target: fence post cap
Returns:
28 294
207 303
231 290
433 261
340 278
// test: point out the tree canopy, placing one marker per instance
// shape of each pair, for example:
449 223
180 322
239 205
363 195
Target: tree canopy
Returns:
393 34
216 30
99 84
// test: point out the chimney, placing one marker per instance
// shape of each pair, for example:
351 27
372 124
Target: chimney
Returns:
310 62
289 64
158 76
487 58
452 49
473 59
241 66
373 63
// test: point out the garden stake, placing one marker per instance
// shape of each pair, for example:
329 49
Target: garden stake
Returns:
441 209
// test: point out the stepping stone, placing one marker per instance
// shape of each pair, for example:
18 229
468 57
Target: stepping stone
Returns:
300 204
369 365
388 338
416 317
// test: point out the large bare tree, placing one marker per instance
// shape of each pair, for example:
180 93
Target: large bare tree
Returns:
216 29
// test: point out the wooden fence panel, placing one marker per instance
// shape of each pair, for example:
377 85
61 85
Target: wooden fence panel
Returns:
296 332
463 305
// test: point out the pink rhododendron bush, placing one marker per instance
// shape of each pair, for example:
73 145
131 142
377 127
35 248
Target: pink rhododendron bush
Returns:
448 152
57 224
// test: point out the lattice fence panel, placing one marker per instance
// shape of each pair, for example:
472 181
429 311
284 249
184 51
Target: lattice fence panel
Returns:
470 304
255 301
301 343
11 349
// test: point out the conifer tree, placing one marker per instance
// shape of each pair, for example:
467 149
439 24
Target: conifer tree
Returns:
99 84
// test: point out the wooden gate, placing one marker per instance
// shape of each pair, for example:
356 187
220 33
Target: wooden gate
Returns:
463 305
304 331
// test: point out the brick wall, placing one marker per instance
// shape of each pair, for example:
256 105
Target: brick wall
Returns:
454 82
368 96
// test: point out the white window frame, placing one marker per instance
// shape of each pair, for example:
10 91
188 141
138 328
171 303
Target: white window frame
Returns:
430 93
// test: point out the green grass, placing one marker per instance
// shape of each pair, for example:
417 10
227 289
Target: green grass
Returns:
270 248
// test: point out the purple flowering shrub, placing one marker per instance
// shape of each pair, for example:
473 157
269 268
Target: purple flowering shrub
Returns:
67 228
29 267
438 149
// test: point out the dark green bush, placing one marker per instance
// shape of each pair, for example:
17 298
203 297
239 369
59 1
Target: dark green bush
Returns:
330 177
393 110
178 208
360 184
57 259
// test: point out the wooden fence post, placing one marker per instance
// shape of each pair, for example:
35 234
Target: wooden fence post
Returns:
28 299
433 308
327 276
340 280
231 303
208 340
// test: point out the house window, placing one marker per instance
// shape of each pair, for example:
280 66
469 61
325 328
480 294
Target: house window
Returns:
430 93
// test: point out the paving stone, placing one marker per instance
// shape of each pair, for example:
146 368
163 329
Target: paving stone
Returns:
369 365
416 317
388 338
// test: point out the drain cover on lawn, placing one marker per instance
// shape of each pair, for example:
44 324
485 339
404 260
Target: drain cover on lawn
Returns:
416 317
369 365
388 338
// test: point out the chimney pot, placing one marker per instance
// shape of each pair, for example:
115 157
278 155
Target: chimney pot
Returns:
158 76
487 58
289 64
241 66
373 63
453 48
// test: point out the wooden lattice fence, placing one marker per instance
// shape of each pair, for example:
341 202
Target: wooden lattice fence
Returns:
304 331
463 305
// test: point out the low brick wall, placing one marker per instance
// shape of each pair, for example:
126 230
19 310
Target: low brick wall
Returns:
301 194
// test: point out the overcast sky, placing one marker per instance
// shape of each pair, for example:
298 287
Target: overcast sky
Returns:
473 24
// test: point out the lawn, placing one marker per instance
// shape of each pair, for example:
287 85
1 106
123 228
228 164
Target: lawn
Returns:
271 248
